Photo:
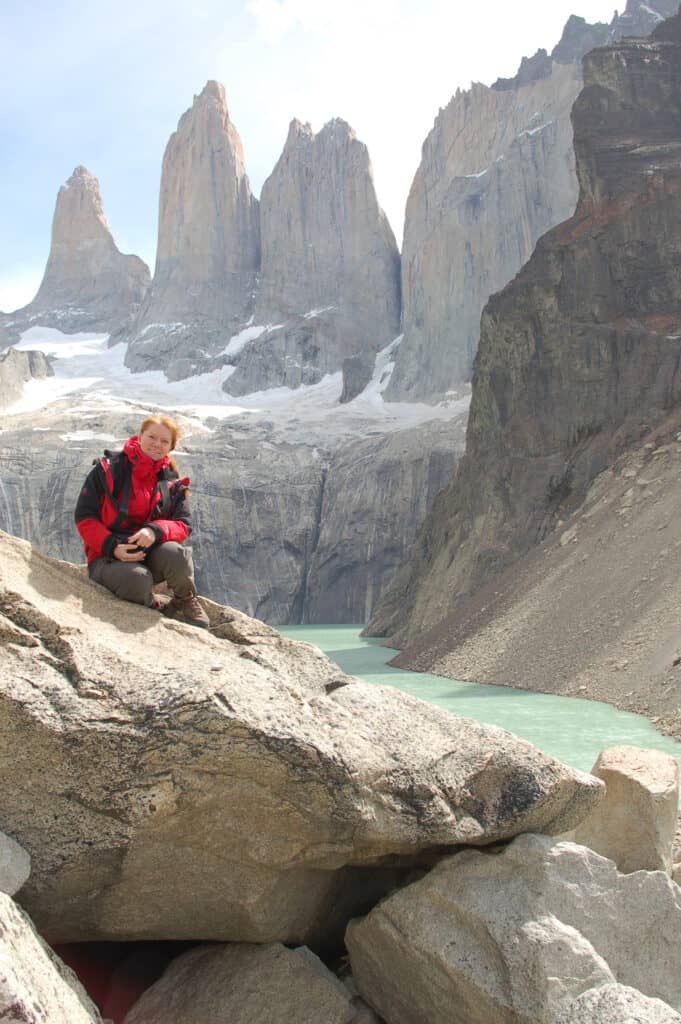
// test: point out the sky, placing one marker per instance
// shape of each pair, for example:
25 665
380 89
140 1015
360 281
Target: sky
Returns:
103 83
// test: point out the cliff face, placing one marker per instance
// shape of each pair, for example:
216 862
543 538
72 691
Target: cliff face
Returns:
330 264
580 354
497 171
88 283
290 530
208 243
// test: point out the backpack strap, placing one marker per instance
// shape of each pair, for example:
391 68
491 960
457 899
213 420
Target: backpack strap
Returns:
163 499
114 460
169 491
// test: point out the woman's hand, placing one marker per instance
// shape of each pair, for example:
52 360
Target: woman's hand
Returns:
144 538
128 553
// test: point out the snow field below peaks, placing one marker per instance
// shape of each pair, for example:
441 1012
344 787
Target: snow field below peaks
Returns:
88 371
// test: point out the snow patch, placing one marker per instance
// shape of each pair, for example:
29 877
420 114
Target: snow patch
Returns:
52 342
162 328
480 174
533 131
317 312
94 378
239 341
86 435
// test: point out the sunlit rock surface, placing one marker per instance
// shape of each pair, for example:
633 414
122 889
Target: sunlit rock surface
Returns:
516 936
246 984
228 784
497 171
330 273
208 244
35 986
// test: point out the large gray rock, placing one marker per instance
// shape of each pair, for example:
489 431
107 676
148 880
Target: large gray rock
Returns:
634 826
88 283
228 784
515 937
244 984
618 1004
35 986
16 369
357 372
330 274
208 250
15 865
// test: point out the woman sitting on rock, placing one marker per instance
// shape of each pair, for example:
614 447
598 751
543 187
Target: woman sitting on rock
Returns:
133 517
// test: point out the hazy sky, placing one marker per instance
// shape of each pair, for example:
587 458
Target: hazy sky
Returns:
104 82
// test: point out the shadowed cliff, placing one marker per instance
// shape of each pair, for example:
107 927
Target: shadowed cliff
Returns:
579 355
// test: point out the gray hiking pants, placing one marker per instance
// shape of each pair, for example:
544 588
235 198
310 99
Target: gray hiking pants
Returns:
132 581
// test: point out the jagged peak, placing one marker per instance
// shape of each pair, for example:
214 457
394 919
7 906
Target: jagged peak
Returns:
337 124
580 36
81 179
212 91
80 173
212 98
83 189
298 130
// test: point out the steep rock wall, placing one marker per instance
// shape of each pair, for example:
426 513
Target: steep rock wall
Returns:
289 532
208 244
330 273
497 171
580 354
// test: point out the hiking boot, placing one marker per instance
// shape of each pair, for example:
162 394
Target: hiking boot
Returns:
187 609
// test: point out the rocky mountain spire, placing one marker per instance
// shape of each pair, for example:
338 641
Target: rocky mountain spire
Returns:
87 281
325 240
208 236
330 263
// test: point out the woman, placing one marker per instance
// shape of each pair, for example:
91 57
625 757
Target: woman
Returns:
133 517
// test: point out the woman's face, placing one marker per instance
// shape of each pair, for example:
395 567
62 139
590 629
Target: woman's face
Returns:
156 441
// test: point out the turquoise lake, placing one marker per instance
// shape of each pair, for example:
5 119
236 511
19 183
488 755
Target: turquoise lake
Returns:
573 730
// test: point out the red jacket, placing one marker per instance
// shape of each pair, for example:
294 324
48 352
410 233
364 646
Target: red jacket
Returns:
125 491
